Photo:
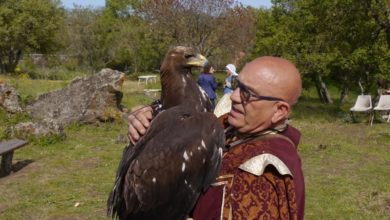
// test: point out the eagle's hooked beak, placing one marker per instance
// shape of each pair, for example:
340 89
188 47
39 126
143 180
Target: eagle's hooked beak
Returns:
199 60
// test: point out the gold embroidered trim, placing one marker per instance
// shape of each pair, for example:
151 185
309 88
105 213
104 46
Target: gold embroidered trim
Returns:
220 183
225 176
223 201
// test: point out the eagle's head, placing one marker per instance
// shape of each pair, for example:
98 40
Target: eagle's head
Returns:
177 84
182 58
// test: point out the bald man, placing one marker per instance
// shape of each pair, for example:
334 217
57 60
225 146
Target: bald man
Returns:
261 175
276 79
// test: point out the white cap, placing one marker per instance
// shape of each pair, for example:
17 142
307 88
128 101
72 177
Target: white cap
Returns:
232 69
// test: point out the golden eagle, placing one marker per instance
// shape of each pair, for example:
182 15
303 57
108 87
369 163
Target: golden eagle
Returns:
162 176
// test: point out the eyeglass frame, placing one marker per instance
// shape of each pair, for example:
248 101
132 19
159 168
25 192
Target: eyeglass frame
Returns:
245 90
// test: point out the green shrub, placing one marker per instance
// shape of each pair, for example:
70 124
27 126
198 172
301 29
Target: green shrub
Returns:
71 64
46 140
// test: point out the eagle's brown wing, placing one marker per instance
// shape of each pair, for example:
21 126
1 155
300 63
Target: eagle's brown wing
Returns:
174 161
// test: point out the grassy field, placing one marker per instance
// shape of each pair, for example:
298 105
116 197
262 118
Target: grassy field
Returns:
346 164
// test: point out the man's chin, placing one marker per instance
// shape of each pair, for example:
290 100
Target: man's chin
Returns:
233 121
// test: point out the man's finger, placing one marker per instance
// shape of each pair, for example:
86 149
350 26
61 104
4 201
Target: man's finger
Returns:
133 134
138 126
139 121
132 141
145 117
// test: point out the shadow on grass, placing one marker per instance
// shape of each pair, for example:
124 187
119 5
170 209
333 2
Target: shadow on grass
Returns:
312 108
21 164
17 166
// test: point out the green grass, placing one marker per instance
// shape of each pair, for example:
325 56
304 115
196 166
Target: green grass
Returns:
346 165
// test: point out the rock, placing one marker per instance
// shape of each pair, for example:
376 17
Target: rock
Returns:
42 128
84 100
121 139
9 98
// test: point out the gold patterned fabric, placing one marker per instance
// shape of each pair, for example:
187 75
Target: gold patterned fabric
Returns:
270 195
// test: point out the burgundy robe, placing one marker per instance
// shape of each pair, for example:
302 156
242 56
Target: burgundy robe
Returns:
275 192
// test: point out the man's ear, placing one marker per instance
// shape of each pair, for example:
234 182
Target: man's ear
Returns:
282 112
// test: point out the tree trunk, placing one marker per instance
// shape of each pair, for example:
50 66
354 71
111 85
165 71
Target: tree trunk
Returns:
344 94
344 90
361 87
13 60
320 95
322 90
10 67
2 67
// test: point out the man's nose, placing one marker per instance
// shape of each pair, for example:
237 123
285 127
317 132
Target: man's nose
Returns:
235 96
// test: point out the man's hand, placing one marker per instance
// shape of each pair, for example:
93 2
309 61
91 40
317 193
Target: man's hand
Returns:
139 121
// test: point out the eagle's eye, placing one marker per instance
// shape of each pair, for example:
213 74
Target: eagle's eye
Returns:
187 56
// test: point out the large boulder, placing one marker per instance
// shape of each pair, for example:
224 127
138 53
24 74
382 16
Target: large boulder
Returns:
37 129
9 98
84 100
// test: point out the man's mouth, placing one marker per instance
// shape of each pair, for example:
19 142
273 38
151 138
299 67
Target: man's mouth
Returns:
235 112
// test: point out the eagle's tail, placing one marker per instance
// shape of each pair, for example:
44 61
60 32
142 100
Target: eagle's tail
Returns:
115 202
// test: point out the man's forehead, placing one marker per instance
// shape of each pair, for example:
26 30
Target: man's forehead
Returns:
257 74
272 76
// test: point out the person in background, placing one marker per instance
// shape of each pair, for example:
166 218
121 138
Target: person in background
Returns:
208 83
231 72
261 173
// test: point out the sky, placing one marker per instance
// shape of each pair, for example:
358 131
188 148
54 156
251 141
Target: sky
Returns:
100 3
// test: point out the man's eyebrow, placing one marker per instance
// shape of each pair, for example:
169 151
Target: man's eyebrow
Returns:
248 87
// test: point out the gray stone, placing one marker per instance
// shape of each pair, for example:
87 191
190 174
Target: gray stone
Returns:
84 100
42 128
9 98
121 139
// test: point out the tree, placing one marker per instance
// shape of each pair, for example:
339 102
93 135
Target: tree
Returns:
27 25
379 10
341 42
133 35
79 35
129 44
211 26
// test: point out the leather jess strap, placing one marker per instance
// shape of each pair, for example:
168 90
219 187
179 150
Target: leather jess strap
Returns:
264 136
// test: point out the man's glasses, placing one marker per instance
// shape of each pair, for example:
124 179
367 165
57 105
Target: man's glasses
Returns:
246 93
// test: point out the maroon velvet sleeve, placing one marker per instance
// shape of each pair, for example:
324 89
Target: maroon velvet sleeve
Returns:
209 204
